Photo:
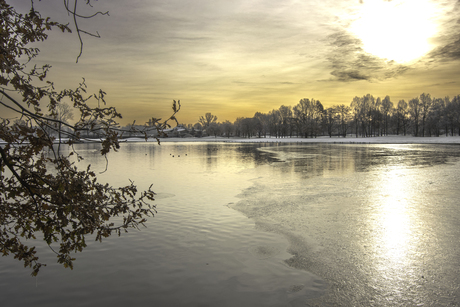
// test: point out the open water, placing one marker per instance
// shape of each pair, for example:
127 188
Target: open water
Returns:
268 225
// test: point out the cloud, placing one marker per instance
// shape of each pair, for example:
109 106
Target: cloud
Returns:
189 38
349 62
442 84
287 83
448 41
449 52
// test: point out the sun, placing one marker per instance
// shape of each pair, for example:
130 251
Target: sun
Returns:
397 30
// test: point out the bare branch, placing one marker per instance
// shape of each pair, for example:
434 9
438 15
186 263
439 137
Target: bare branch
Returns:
73 12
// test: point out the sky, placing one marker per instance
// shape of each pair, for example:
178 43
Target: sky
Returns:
237 57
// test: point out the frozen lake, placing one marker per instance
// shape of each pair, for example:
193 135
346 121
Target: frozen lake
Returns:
268 225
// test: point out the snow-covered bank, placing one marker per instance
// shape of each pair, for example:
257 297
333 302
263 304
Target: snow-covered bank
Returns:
395 139
325 139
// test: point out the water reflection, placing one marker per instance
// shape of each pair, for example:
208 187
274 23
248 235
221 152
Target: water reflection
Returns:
371 219
380 223
393 222
195 252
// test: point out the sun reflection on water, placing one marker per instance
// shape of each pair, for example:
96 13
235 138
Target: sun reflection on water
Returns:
393 222
395 214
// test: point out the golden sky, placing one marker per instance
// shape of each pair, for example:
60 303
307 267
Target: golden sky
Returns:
237 57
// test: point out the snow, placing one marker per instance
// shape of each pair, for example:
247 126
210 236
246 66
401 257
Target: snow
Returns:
394 139
325 139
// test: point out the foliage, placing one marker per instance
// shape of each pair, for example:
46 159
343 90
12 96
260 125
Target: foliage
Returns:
42 193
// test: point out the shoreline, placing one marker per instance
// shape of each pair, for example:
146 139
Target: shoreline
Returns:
441 140
392 139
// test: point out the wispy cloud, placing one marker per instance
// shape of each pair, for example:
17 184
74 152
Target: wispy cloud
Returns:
448 40
448 52
349 62
238 57
442 84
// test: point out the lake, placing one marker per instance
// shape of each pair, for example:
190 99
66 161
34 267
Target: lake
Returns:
268 224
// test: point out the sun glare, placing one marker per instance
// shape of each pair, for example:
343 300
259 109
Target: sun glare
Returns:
396 30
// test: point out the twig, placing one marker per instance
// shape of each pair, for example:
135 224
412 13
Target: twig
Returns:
75 16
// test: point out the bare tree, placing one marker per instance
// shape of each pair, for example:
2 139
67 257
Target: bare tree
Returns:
227 128
425 104
207 120
414 111
343 112
401 117
386 107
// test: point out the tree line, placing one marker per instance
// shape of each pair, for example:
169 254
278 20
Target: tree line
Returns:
366 116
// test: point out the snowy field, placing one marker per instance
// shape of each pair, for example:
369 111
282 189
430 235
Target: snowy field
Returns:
325 139
394 139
